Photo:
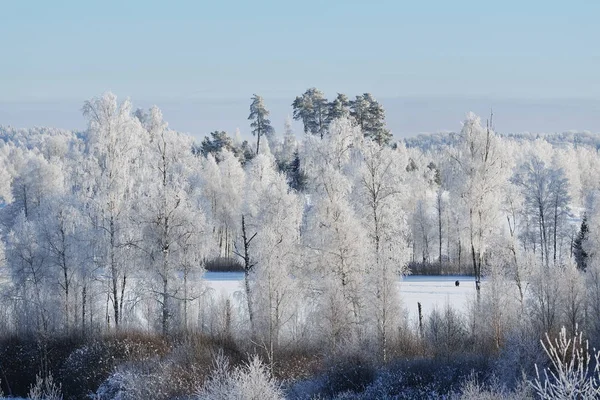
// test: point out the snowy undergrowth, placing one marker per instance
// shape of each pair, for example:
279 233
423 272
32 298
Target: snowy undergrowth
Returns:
251 381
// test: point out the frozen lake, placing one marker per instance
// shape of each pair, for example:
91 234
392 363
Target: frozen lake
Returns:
436 291
430 291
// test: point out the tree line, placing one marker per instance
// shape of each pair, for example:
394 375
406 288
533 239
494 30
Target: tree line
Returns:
109 229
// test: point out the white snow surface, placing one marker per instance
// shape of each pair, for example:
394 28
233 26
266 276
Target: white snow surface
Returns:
430 291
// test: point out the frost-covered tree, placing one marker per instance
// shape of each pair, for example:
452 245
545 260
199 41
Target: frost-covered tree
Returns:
221 190
114 142
35 179
478 164
172 223
285 155
591 245
29 276
336 266
60 236
6 173
422 230
559 209
573 298
274 213
545 191
592 283
544 300
381 197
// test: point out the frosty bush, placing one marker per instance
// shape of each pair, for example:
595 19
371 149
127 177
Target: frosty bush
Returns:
88 366
132 384
445 332
570 376
148 379
252 381
473 389
519 354
45 389
352 374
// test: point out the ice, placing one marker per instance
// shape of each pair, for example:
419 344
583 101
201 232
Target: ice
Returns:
430 291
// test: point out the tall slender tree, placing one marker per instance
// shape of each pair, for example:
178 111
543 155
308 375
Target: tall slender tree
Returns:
261 125
546 195
579 251
171 224
381 178
478 163
114 141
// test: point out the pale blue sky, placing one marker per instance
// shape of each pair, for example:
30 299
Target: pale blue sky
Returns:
62 52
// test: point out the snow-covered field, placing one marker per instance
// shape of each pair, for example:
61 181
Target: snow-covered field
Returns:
430 291
436 291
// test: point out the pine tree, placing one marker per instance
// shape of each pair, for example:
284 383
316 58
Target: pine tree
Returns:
370 116
338 108
579 252
217 141
296 177
311 108
260 125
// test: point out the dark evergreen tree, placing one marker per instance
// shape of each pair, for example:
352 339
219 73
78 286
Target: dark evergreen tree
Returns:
338 108
370 116
296 177
245 153
411 166
579 252
217 141
311 108
437 177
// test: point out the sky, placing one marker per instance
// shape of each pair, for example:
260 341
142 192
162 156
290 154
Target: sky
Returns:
201 61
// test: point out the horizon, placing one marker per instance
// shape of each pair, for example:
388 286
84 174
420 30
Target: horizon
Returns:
405 116
428 63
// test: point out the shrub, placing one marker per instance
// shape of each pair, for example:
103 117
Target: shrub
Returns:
89 365
224 264
519 355
445 332
252 381
472 389
570 376
45 389
150 379
22 358
351 374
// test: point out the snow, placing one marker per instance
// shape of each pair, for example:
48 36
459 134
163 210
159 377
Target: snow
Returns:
430 291
436 291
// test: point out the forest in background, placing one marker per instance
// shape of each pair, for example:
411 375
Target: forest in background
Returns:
106 234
